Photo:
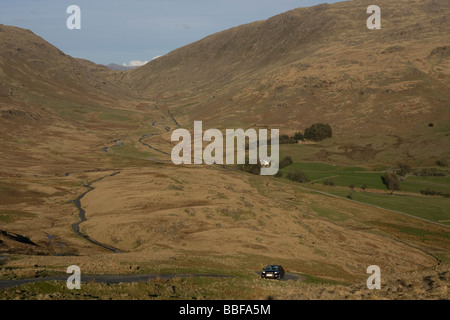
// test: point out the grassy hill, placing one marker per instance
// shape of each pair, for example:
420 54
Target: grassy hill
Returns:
378 89
57 111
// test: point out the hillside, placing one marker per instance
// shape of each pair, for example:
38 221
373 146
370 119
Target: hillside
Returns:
31 65
378 89
54 109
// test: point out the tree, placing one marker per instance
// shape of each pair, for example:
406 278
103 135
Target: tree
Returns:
299 136
404 168
285 162
391 181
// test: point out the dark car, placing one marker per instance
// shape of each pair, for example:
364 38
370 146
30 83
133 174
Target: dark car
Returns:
273 272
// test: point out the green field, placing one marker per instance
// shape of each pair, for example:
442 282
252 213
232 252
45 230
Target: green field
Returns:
432 208
341 176
416 184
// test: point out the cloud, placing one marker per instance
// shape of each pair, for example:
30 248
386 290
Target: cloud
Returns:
134 63
138 63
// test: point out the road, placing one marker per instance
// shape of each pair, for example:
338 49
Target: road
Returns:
82 214
110 279
149 146
293 277
289 276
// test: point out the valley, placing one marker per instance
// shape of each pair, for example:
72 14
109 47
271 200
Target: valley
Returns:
87 178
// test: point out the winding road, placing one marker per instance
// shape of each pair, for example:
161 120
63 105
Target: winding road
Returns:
118 143
155 134
82 214
149 146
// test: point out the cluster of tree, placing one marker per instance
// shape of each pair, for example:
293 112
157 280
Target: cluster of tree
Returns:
430 172
251 168
283 164
285 139
403 168
391 180
317 132
297 176
328 182
256 168
443 162
429 192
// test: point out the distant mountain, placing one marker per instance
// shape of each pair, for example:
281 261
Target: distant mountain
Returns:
118 67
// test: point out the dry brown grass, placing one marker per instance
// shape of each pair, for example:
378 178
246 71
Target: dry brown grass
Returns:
378 90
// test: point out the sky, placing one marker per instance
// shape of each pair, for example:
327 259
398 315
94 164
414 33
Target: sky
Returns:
132 32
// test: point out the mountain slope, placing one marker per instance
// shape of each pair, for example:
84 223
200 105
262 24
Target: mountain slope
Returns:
319 64
30 64
54 109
